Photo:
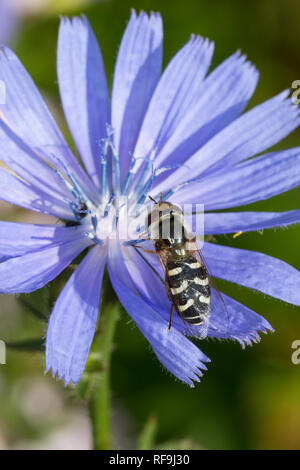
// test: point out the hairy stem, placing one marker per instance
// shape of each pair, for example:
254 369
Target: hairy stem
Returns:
100 402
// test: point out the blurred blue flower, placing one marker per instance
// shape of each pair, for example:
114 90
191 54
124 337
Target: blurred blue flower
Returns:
165 128
9 21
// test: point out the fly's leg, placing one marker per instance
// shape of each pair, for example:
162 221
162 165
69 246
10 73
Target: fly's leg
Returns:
144 236
146 251
171 315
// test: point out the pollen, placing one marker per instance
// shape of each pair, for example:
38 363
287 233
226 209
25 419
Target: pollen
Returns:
237 234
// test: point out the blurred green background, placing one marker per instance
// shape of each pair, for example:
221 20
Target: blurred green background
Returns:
248 399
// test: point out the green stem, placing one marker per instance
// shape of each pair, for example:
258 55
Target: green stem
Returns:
99 402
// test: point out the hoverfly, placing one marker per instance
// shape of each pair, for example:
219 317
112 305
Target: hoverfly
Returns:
187 281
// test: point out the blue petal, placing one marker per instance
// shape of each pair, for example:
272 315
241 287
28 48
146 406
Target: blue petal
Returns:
230 222
32 271
83 90
245 137
9 22
259 178
220 99
27 114
18 239
179 355
176 92
14 191
24 161
236 321
255 270
137 71
73 320
142 267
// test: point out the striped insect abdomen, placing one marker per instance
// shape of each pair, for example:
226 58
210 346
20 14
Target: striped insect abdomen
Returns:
189 289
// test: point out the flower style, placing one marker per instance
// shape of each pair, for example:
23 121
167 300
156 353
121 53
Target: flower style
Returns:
179 133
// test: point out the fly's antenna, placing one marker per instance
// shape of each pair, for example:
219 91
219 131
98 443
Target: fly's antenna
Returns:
152 199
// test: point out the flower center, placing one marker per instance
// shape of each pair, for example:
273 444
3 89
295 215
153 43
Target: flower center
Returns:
122 207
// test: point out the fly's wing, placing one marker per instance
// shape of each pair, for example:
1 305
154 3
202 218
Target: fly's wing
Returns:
220 300
163 260
185 328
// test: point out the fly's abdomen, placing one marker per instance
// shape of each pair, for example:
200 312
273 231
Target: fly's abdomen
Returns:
189 290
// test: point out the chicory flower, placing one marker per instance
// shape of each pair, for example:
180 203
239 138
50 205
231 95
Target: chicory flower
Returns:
180 132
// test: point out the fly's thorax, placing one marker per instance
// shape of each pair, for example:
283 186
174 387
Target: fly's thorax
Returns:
175 248
166 225
172 248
